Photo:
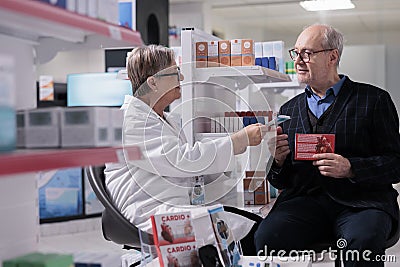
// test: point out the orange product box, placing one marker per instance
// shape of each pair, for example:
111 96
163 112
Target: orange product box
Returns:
260 198
212 59
236 52
248 195
201 54
248 52
255 174
261 193
224 52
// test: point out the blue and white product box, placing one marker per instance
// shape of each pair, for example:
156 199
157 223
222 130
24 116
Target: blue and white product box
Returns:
71 5
277 50
93 8
272 63
42 127
8 133
92 203
127 13
116 124
258 53
85 127
59 3
82 7
108 11
60 193
267 51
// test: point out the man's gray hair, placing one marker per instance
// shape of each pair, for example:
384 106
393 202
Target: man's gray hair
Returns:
145 61
333 39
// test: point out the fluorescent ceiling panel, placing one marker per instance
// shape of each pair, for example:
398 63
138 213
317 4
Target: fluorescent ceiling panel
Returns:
319 5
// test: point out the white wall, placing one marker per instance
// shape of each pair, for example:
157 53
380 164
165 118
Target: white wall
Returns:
23 54
365 63
393 73
78 61
197 15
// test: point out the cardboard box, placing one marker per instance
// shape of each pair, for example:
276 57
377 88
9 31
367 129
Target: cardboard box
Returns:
236 52
224 52
212 58
201 54
248 52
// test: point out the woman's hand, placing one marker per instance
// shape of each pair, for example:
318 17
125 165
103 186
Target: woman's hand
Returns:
251 135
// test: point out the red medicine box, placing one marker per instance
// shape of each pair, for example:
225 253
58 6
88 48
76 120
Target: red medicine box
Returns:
306 145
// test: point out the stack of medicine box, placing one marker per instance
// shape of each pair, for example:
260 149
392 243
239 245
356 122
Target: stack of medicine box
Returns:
106 10
255 189
69 127
270 55
235 121
236 52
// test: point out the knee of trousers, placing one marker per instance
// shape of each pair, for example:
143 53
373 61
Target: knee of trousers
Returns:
266 240
371 241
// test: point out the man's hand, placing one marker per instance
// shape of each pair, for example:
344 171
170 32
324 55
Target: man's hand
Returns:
279 147
333 165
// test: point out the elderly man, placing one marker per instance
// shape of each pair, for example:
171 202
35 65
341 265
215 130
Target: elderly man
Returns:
346 194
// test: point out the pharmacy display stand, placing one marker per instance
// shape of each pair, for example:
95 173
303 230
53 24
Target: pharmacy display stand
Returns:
208 93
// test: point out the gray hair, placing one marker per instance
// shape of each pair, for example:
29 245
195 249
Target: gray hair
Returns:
332 39
145 61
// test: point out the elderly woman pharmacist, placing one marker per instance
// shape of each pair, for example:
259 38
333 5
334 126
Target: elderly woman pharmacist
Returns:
160 182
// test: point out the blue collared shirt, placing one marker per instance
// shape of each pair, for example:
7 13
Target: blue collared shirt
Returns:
317 104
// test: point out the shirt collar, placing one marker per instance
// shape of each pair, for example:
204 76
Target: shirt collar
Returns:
335 88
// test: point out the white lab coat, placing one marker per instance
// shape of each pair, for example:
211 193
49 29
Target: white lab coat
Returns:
160 182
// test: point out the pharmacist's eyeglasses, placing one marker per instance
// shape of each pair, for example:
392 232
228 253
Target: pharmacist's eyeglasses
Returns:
178 73
305 55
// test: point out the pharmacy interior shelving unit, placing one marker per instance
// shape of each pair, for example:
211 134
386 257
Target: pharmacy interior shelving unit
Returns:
32 32
210 92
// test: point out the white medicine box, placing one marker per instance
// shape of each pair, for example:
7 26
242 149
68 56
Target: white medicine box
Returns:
42 127
85 127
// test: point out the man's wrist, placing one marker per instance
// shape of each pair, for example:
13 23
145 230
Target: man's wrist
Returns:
275 168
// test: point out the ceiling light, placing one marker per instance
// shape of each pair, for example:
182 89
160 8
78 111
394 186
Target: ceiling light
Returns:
318 5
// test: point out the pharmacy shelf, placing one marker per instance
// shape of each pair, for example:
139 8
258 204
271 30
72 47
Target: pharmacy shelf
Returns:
45 25
39 160
286 85
242 75
201 136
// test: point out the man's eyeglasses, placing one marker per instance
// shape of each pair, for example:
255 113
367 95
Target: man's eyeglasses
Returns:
305 55
177 73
